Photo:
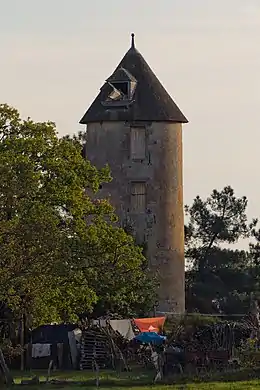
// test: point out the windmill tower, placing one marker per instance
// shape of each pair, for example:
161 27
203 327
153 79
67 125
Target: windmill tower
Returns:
135 127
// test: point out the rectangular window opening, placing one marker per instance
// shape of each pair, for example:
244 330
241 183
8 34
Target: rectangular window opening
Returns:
138 143
138 197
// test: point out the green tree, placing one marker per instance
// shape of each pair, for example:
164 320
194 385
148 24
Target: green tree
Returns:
254 264
219 278
60 252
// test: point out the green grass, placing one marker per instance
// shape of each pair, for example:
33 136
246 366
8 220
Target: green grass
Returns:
137 380
252 385
106 376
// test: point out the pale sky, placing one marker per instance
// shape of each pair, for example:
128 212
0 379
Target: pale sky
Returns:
56 54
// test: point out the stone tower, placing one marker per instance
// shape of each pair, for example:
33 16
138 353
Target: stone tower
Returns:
135 127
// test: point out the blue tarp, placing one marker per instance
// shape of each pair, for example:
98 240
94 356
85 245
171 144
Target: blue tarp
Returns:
150 337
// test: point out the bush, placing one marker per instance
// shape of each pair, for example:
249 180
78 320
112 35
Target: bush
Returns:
249 353
9 350
186 326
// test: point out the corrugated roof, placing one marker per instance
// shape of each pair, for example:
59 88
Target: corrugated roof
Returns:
150 102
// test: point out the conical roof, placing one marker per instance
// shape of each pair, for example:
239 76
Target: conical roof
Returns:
150 100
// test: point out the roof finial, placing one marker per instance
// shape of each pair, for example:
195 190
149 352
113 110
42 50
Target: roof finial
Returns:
133 41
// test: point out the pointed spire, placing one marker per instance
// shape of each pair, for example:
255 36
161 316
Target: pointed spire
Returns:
151 102
133 41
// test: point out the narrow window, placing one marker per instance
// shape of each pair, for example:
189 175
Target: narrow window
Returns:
138 197
138 143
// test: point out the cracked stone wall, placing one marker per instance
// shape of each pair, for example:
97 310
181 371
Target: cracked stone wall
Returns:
161 226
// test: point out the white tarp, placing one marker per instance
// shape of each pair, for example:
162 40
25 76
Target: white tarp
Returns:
124 327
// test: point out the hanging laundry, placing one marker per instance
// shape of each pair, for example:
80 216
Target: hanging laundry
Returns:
101 322
41 350
149 324
124 327
155 358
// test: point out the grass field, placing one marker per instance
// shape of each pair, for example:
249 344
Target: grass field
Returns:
197 386
79 380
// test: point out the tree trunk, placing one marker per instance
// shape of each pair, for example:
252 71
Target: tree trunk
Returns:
22 342
5 370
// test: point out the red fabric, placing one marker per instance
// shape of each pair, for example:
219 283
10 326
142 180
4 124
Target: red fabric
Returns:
149 324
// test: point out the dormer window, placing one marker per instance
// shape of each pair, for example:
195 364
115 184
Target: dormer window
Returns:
122 85
120 90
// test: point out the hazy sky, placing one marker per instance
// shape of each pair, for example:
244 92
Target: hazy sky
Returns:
56 54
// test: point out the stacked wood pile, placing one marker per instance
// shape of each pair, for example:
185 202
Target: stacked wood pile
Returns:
94 347
102 347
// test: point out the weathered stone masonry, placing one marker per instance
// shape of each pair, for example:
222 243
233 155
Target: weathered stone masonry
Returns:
135 127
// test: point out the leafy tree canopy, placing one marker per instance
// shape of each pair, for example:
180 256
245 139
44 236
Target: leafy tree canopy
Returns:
220 277
60 252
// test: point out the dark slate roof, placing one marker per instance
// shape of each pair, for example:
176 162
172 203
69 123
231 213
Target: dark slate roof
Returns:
121 74
151 102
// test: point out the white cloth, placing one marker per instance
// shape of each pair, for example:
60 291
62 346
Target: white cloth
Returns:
78 334
101 323
155 360
73 349
41 350
124 327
